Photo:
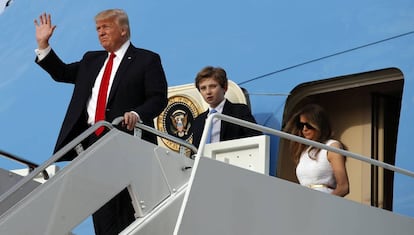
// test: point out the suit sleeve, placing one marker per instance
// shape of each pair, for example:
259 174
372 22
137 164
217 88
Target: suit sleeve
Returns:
155 90
57 69
248 116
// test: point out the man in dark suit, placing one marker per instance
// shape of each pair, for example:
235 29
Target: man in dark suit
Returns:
212 83
136 89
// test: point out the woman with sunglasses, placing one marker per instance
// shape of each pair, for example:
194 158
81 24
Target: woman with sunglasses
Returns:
316 168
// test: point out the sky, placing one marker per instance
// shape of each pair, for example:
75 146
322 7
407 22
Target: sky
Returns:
248 38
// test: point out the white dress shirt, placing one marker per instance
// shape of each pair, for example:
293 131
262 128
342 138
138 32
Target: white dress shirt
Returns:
216 127
95 90
91 108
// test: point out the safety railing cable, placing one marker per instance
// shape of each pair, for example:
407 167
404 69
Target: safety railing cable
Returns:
73 145
281 134
23 161
161 134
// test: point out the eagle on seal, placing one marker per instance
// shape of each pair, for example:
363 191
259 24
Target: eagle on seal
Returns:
180 125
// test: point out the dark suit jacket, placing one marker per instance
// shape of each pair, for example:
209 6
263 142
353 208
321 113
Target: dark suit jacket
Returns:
228 131
139 85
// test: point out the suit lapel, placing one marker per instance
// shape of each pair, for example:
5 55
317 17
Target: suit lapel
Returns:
126 61
95 68
226 111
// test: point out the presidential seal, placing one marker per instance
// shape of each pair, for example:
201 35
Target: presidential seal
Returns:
176 119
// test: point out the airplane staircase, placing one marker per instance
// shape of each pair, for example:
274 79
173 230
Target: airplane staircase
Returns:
116 161
173 194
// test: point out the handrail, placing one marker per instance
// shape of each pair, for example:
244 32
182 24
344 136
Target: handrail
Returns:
71 145
293 138
161 134
75 142
23 161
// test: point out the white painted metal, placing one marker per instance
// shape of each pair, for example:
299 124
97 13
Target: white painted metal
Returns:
114 162
225 199
251 153
172 195
9 179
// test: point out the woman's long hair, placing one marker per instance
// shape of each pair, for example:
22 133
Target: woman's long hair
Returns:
318 118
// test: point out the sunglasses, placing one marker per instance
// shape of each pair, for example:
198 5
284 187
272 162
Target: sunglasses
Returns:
300 126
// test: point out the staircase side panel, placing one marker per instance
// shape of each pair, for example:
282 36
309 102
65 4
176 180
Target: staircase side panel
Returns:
224 199
116 161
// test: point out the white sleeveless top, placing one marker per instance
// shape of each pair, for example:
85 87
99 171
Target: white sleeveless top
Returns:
316 173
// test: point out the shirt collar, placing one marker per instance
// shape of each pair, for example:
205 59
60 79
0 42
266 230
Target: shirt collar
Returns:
122 50
219 107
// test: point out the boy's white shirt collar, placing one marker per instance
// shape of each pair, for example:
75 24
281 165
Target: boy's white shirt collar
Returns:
219 107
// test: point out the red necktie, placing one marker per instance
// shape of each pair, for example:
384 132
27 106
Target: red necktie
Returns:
103 91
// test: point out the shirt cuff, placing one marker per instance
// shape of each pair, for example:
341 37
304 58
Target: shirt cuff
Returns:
42 53
139 118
